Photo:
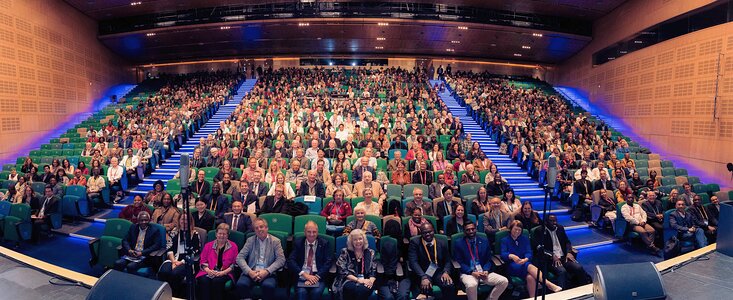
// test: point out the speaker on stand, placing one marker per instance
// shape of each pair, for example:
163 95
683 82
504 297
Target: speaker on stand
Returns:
120 285
638 281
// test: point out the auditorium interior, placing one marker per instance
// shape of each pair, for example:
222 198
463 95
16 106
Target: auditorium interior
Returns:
347 149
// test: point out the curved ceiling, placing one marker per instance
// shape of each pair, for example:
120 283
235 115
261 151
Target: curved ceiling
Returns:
345 36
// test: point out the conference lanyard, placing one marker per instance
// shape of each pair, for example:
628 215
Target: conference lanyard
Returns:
435 251
473 258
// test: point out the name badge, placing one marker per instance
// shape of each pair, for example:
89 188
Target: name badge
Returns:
260 266
478 267
307 270
431 269
360 276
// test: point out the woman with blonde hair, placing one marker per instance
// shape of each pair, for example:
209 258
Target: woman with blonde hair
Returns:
356 268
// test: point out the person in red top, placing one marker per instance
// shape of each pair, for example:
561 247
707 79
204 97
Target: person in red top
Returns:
131 211
336 212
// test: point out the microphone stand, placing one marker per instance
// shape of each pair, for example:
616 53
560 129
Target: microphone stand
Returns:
188 257
544 257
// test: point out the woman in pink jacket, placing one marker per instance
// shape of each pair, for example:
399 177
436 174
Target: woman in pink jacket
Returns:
217 261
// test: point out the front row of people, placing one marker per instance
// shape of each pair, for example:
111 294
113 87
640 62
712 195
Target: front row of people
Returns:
429 261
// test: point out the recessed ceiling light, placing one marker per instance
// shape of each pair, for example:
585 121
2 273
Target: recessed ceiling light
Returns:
450 50
303 24
378 47
381 39
225 27
462 27
136 3
383 24
455 42
537 34
526 47
517 54
150 34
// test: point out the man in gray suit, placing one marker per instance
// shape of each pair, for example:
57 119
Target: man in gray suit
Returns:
261 256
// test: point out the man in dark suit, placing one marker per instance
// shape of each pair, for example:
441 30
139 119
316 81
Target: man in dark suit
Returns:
47 174
431 264
473 253
202 218
392 286
42 208
197 161
311 187
604 182
237 220
309 263
217 202
556 243
682 221
275 203
249 200
140 242
654 214
583 188
702 219
358 171
256 186
201 187
423 176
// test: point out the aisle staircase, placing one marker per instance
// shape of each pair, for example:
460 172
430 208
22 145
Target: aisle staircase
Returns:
170 167
524 186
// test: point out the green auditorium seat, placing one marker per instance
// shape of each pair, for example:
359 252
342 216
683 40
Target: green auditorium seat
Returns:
279 222
105 249
300 222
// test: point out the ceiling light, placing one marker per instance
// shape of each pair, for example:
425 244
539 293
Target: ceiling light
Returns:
330 63
225 27
353 64
303 24
450 50
462 27
378 47
150 34
136 3
455 42
537 34
638 42
383 24
526 47
381 39
517 54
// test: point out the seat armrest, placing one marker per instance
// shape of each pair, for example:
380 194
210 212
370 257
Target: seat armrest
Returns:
399 271
456 265
498 262
380 268
94 251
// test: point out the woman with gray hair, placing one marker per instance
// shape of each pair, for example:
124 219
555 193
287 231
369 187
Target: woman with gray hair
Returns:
356 267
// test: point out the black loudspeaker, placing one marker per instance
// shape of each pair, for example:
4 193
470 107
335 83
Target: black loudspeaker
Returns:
638 281
119 285
725 229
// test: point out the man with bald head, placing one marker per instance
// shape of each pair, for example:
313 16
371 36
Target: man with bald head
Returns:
362 168
431 263
309 263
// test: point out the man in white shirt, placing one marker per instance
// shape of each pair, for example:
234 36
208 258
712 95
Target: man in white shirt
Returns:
114 175
636 216
312 152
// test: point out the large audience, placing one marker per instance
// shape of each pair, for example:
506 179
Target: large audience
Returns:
375 159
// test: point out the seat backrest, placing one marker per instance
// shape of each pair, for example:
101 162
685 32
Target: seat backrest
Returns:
5 208
314 207
279 222
470 189
117 228
300 222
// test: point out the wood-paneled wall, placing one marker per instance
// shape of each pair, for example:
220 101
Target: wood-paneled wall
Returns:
665 92
51 67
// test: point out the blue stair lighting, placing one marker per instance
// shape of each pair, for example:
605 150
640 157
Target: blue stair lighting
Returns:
524 186
169 168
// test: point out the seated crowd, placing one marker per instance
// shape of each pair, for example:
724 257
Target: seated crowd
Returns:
599 173
299 137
